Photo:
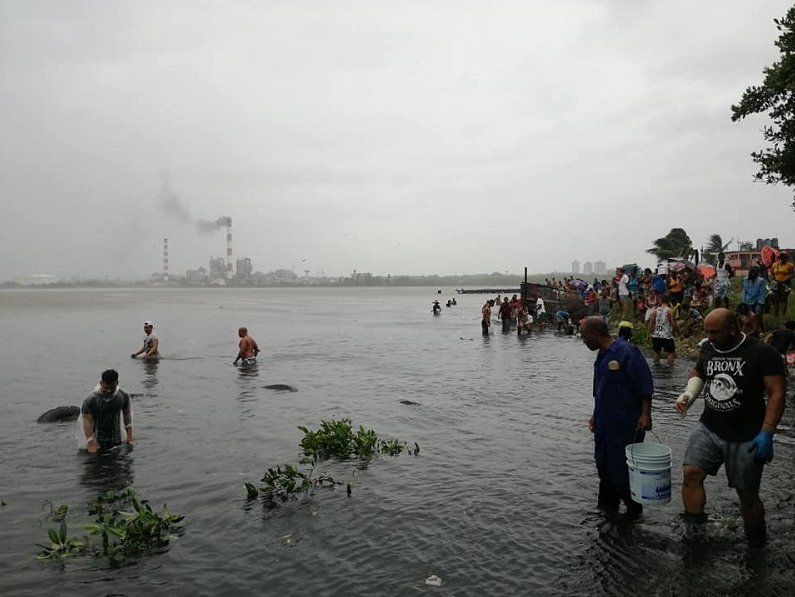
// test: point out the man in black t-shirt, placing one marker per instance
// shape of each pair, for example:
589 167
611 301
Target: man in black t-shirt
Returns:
737 426
101 413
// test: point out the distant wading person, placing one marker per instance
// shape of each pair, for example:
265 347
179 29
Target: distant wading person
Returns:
523 319
506 315
622 391
151 346
248 349
101 410
485 323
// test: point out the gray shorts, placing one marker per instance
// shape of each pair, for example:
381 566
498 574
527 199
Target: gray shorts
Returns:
708 451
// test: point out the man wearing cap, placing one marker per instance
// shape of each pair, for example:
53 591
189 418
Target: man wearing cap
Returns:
151 343
783 272
622 391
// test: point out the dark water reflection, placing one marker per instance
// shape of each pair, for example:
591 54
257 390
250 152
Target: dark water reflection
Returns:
501 499
107 471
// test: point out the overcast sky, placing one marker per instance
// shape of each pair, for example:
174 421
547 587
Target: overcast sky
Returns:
382 136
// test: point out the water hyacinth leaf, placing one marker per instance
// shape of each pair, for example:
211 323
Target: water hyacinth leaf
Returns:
53 534
116 531
251 491
91 527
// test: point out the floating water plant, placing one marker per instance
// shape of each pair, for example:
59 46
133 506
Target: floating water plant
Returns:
123 527
337 439
334 440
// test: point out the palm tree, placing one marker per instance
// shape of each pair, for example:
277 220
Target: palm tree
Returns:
674 244
714 246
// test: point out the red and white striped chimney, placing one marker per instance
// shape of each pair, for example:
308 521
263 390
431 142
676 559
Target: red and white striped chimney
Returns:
165 260
229 248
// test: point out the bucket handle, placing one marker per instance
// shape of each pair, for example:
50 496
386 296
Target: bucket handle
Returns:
635 441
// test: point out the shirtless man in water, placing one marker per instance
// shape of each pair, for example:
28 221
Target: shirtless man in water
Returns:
248 348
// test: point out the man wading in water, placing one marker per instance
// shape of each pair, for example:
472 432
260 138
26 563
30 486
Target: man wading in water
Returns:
101 414
737 426
248 349
151 347
622 390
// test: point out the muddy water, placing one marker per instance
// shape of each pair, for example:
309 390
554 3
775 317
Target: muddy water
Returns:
501 499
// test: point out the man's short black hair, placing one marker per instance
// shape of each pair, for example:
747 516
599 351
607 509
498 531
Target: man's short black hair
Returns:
110 377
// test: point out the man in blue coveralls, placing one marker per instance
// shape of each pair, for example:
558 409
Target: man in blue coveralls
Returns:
622 390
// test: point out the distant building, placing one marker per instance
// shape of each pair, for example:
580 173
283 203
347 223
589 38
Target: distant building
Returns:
196 276
587 268
771 242
35 280
217 270
575 267
244 270
601 269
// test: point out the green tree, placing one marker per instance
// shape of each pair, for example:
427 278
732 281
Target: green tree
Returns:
674 244
776 97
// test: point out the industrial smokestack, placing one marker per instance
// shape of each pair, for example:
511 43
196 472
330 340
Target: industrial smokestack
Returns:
228 249
165 260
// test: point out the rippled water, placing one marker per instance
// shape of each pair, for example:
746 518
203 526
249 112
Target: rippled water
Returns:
501 500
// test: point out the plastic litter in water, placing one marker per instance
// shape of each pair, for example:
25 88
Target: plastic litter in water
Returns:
433 581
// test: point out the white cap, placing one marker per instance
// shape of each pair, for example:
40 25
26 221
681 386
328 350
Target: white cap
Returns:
147 322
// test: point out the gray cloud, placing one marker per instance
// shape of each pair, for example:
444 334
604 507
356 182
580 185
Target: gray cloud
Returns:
387 137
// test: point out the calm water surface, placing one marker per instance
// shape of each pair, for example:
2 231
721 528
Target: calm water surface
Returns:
501 500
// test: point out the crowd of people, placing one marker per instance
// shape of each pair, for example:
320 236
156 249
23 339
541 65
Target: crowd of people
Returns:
671 302
522 315
631 294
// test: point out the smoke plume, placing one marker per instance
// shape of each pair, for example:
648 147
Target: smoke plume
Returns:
169 202
206 226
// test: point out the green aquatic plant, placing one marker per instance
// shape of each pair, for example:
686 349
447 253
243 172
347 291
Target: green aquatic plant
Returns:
123 526
335 439
288 480
61 545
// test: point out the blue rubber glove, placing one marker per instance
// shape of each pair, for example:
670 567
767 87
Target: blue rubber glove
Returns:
763 444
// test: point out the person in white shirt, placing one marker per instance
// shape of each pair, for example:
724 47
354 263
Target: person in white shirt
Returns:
623 292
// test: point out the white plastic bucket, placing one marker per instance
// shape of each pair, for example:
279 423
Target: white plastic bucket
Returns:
649 473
